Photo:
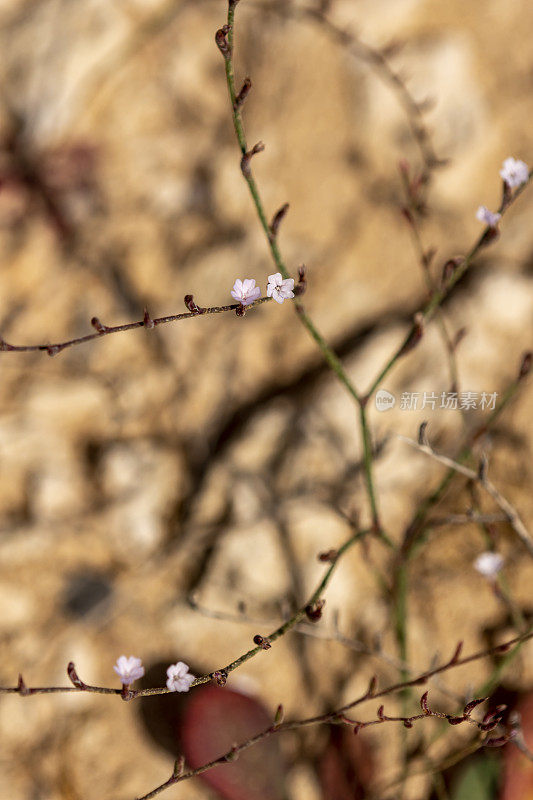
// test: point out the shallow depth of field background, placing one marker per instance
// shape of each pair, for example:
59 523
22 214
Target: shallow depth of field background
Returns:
210 456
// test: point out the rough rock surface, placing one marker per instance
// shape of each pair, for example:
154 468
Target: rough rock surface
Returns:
212 456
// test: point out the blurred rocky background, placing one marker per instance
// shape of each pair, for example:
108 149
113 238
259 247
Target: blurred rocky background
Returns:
216 457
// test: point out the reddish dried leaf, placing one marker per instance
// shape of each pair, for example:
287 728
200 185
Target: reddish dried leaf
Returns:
346 768
518 782
214 720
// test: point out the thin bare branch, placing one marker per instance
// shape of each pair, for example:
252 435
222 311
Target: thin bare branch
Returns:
480 477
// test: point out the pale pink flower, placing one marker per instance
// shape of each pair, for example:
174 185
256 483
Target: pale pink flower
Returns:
245 292
280 289
490 218
488 564
179 677
514 172
129 669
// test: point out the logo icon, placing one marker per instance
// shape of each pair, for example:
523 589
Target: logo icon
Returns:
384 400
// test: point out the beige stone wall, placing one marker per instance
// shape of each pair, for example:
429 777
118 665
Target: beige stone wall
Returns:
133 456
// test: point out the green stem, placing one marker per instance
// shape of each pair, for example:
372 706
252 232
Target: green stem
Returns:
440 294
413 535
327 352
296 618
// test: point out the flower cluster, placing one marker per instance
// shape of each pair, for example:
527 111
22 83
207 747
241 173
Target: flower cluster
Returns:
279 289
514 172
488 564
179 679
490 218
129 669
245 292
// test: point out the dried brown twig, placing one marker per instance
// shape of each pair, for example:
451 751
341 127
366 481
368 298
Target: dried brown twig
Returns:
147 322
511 515
485 726
311 606
488 724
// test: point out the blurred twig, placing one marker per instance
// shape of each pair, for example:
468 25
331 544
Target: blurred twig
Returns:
481 477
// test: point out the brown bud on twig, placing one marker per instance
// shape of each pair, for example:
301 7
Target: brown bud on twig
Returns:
525 365
147 320
328 555
73 676
277 219
449 269
493 718
22 688
422 437
497 742
313 611
247 157
233 754
261 642
279 715
458 650
483 467
191 305
503 648
301 286
243 94
179 766
220 677
381 712
222 42
370 692
97 325
424 704
428 256
467 710
414 336
406 214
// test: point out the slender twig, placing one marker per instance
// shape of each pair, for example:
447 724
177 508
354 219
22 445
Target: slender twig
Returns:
438 296
378 60
466 519
489 722
480 476
412 216
105 330
225 41
220 675
414 530
518 740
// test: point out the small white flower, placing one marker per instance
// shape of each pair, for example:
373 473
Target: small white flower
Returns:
490 218
514 172
129 669
245 292
179 677
488 564
280 289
